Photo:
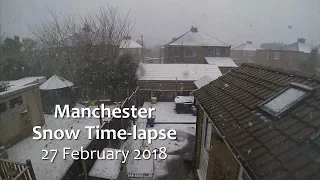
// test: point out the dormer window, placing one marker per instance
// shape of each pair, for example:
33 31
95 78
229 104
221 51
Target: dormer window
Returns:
282 102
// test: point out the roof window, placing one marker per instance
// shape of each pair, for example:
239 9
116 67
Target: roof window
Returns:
285 100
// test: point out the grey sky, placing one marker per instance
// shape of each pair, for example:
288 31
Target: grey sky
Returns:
232 21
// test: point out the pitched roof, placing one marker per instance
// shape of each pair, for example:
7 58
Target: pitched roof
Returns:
197 38
246 47
56 82
286 148
298 46
129 44
221 61
180 72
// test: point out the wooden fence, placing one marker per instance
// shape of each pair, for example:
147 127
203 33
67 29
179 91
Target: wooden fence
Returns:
10 170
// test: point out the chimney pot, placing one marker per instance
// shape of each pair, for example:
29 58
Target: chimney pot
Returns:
249 42
302 40
194 29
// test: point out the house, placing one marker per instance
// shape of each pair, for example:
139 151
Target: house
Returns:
244 53
225 64
259 122
193 46
129 45
289 56
169 80
20 111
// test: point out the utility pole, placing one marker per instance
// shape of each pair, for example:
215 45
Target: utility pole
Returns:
142 55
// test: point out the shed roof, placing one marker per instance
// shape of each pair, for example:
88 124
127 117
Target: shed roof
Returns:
287 148
203 81
221 61
179 72
56 82
196 38
27 81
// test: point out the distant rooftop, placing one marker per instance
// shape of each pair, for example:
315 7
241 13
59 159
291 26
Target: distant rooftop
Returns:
248 46
196 38
180 72
129 44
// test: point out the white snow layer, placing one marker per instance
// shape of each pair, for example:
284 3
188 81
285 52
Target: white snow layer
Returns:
197 39
221 61
55 82
107 168
179 72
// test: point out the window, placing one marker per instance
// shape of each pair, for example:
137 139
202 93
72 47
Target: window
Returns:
286 99
267 54
225 52
3 107
208 131
244 53
210 51
250 53
15 101
189 52
218 51
276 55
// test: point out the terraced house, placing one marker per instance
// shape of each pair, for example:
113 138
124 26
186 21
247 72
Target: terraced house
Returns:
258 122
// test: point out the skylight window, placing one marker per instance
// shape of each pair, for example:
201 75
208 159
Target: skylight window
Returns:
285 100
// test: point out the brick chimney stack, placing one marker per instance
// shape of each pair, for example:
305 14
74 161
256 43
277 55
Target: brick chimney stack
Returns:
302 40
194 29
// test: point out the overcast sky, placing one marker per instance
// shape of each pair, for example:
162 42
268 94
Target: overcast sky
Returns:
231 21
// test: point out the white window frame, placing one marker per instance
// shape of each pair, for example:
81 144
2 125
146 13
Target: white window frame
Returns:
276 55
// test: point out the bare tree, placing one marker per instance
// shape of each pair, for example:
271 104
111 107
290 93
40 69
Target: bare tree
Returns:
83 48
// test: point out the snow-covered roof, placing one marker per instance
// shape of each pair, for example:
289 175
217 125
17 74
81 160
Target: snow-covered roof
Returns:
203 81
221 61
179 72
27 81
16 89
56 82
30 148
298 46
246 47
129 44
107 168
197 38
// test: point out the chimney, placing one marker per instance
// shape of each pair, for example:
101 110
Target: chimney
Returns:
249 42
194 29
302 40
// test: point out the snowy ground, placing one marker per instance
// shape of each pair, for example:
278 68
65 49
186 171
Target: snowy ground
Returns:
164 113
32 149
